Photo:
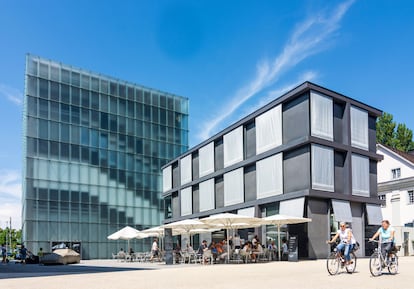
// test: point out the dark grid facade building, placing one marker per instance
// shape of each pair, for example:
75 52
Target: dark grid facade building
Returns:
93 149
311 152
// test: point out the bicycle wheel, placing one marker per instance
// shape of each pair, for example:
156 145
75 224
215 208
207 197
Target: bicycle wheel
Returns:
332 264
375 264
351 267
393 266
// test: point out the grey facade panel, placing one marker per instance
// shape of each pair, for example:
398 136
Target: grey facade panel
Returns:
296 119
196 200
296 170
195 166
250 183
340 172
218 154
249 140
373 184
219 194
340 127
318 229
175 175
358 226
372 134
175 204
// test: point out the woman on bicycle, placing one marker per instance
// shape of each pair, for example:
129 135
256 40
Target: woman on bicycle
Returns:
347 241
386 234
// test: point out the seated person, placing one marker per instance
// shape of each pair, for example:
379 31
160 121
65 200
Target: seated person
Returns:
189 248
121 254
257 251
177 253
202 248
213 249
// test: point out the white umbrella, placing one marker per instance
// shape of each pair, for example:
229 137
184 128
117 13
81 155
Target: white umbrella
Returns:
154 231
186 226
280 220
127 233
231 221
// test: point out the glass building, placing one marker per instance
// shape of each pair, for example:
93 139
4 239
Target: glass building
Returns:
93 149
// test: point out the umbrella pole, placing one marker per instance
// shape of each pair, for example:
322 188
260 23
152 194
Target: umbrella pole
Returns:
278 241
228 247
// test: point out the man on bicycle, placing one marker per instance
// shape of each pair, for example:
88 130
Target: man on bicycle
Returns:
386 234
347 241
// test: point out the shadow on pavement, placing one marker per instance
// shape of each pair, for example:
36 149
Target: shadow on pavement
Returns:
34 270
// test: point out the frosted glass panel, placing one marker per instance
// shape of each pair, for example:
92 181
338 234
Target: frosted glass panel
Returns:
374 214
293 207
360 175
249 212
322 168
206 191
269 130
342 211
43 169
269 173
206 160
321 116
186 172
234 187
54 171
359 128
167 179
186 201
233 146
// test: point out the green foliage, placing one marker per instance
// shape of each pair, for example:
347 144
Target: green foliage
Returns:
16 236
397 136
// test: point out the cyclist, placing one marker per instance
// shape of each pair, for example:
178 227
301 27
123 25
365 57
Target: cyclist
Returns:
386 233
347 241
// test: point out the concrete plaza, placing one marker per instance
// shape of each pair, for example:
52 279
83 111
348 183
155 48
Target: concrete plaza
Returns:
101 274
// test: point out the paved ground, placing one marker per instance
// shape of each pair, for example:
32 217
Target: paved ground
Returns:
101 274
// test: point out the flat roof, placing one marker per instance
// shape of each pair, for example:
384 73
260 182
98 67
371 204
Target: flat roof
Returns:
103 76
300 89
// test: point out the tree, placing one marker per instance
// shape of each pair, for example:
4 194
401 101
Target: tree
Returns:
16 236
385 129
396 136
404 138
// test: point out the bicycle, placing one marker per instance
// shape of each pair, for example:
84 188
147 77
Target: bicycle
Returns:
377 262
336 260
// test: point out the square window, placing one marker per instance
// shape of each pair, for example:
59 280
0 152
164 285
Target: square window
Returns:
396 173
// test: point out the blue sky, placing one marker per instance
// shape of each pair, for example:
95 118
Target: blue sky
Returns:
227 57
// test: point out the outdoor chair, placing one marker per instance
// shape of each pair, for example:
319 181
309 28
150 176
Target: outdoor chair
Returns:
207 257
245 256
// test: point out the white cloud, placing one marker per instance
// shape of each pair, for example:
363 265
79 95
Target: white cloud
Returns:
12 94
273 94
10 198
11 210
309 37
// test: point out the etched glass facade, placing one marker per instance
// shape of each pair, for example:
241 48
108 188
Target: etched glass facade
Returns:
93 149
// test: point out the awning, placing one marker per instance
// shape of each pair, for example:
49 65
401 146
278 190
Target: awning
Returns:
342 211
293 207
249 212
374 214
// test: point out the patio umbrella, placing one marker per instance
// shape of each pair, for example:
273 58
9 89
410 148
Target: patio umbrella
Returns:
186 226
231 221
127 233
281 220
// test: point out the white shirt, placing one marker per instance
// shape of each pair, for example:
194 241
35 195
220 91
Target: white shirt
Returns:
343 236
285 248
154 246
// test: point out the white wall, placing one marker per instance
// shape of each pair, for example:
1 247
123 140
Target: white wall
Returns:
392 161
398 212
